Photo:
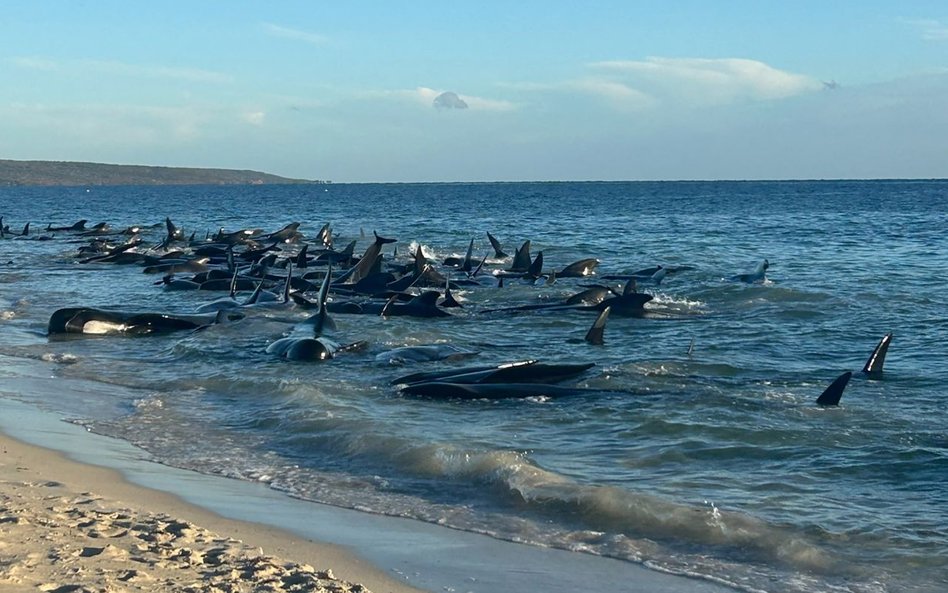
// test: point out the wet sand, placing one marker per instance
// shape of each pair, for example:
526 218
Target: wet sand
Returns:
66 526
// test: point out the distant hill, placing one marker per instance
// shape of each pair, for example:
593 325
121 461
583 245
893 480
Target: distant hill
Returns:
73 173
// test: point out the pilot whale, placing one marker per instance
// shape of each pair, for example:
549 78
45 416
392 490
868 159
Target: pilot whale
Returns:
758 275
444 390
308 340
873 367
87 320
528 378
531 371
832 394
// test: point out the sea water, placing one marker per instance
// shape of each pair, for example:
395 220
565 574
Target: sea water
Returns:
701 450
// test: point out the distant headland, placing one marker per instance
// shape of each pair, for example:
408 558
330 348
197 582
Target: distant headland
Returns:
16 173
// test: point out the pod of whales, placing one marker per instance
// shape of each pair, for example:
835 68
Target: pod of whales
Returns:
374 283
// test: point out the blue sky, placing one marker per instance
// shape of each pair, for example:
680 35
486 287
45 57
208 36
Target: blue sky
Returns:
479 91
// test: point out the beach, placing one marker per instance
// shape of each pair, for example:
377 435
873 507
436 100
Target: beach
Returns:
66 526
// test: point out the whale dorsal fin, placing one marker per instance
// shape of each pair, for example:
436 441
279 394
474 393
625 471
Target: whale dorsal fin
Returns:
595 334
388 304
477 270
350 248
536 267
873 366
449 300
659 275
233 283
466 264
301 257
521 260
289 281
832 394
321 320
255 296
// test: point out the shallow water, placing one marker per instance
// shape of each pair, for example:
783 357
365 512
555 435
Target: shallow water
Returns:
714 463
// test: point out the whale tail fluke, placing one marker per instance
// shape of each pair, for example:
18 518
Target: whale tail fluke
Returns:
873 366
833 393
498 249
383 240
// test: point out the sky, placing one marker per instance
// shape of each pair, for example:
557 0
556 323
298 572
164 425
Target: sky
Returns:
363 91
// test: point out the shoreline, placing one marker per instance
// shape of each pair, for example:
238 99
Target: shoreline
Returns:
380 552
66 524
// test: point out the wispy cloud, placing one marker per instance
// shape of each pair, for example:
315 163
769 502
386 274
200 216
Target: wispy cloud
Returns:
254 118
112 125
930 29
117 68
635 85
707 80
32 63
295 34
618 94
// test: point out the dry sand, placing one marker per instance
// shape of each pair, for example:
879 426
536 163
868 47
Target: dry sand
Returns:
66 527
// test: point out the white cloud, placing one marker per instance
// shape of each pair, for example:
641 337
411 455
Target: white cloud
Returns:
110 125
295 34
618 94
930 29
33 63
706 80
254 118
117 68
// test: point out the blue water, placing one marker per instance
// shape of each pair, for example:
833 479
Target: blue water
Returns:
716 463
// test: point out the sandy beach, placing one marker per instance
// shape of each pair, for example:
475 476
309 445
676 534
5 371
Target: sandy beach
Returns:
66 526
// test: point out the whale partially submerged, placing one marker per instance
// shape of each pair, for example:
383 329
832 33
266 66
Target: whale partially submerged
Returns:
758 275
92 321
522 379
512 372
445 390
309 341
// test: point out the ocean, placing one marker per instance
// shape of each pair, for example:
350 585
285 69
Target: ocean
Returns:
696 446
